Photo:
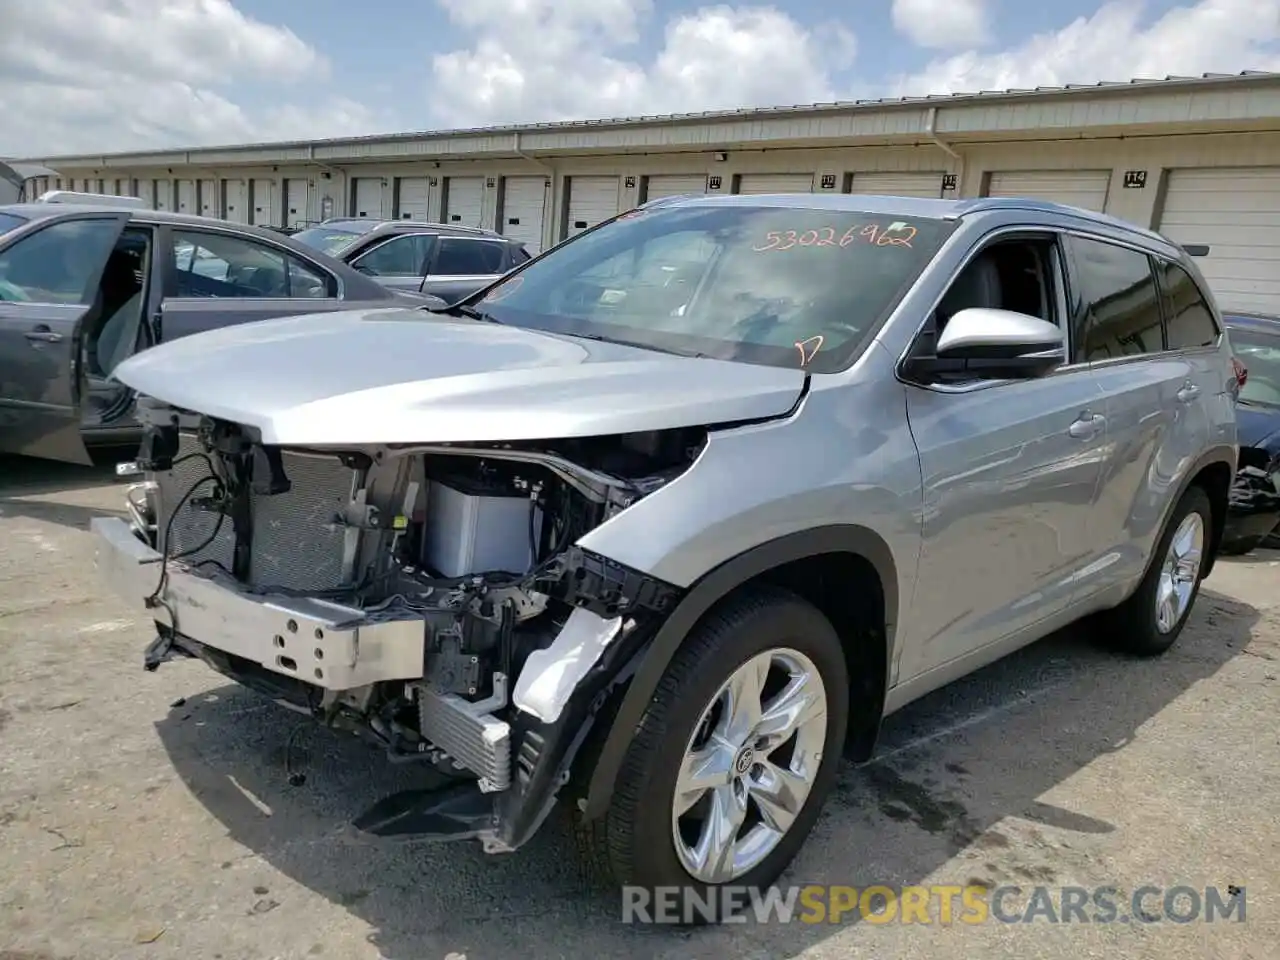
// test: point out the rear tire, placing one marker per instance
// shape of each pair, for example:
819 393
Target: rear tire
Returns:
784 645
1150 621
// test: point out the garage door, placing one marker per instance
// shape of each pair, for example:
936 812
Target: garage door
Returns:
186 196
898 184
524 203
235 205
1234 211
1076 188
208 196
674 185
463 200
164 194
368 194
266 209
415 199
591 201
758 183
297 197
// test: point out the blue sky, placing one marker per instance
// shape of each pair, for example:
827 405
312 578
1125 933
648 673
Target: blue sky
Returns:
105 75
362 54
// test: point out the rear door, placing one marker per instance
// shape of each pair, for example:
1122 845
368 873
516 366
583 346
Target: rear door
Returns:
462 265
217 278
399 261
1152 421
49 277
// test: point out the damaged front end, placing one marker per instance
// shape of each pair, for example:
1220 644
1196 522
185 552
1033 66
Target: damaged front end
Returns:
430 599
1253 510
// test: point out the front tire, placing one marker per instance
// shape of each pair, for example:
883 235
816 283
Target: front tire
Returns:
734 757
1148 623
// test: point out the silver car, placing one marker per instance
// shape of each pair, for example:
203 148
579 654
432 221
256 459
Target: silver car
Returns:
663 523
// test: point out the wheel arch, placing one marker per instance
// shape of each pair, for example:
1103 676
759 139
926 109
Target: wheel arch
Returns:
848 540
1214 471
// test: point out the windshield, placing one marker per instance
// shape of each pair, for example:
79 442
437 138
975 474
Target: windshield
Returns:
773 285
10 222
1260 354
327 239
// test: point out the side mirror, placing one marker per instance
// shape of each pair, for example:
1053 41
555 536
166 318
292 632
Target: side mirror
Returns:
997 345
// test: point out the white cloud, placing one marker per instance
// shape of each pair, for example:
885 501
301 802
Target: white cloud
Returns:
942 24
1212 36
535 60
101 75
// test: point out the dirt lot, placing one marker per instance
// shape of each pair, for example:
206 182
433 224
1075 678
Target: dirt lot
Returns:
150 815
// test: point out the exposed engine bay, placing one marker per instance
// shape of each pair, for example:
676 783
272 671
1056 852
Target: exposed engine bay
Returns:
413 584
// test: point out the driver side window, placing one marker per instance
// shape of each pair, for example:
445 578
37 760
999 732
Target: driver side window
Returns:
58 263
404 256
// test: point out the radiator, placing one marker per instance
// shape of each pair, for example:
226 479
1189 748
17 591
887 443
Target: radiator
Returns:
296 545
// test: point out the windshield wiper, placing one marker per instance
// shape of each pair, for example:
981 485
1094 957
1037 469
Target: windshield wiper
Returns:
465 310
600 338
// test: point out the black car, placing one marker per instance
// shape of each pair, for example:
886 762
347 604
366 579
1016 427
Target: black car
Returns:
1254 514
443 259
83 286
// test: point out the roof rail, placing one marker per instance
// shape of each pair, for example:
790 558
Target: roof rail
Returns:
89 199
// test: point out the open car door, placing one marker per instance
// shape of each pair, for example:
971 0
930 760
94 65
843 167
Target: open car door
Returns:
50 275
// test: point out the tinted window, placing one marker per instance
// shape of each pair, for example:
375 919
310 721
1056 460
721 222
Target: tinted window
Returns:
219 265
1118 304
519 255
775 285
459 257
401 257
1260 354
59 264
9 222
1187 317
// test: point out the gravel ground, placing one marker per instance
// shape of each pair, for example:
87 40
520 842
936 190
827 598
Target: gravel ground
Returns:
150 815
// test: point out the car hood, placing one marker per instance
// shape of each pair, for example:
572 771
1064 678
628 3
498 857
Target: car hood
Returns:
406 376
1258 426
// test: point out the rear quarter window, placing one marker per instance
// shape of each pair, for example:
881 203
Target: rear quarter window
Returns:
1189 320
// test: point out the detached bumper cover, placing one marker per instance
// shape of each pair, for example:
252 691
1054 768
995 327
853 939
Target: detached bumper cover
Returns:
324 644
1254 507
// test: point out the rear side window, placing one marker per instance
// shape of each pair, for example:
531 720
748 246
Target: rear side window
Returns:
1118 308
1189 320
460 258
222 265
519 255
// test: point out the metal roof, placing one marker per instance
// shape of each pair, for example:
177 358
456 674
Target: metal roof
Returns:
882 103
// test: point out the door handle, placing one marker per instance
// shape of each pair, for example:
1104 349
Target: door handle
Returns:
1188 393
43 334
1087 427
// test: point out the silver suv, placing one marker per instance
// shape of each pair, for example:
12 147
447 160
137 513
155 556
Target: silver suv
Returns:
667 520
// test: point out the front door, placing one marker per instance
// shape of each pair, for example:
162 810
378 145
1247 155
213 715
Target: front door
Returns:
49 286
1009 469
